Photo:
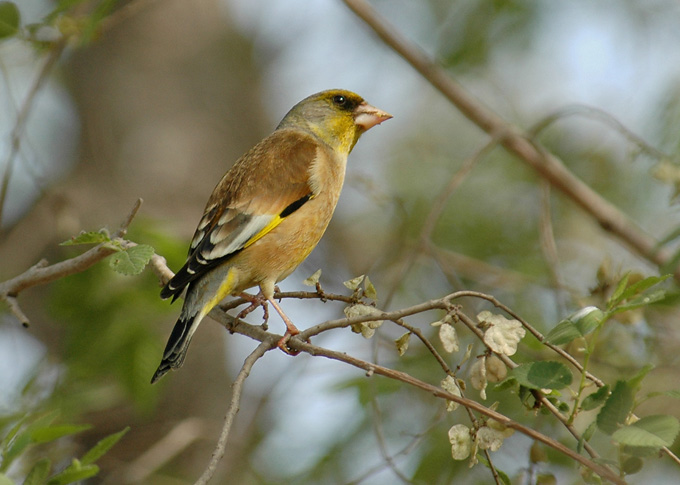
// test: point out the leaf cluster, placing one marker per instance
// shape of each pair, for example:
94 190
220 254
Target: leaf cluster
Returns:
22 435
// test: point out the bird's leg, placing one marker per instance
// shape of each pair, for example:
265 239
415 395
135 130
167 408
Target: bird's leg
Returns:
255 301
291 329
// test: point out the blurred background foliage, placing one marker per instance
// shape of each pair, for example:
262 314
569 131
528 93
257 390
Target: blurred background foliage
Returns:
160 101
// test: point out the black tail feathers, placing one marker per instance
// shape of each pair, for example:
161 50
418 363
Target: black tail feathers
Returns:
176 349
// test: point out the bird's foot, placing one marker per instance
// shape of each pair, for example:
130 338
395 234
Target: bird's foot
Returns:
283 344
291 330
255 301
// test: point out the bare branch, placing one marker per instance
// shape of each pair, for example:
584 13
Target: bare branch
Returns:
547 165
236 390
22 117
438 206
165 449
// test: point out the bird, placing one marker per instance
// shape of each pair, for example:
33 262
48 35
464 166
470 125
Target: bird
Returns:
268 213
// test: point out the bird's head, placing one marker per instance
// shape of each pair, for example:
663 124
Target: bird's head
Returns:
337 117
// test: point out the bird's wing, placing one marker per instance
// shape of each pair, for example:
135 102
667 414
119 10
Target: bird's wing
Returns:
265 186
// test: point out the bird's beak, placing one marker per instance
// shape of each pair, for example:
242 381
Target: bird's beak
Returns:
368 116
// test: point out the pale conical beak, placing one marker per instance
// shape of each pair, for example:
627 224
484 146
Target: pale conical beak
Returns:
368 116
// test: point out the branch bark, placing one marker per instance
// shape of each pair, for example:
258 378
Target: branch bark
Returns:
42 273
546 165
298 343
236 390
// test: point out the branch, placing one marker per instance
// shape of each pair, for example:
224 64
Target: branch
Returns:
41 273
165 449
299 343
371 368
236 390
22 118
547 165
537 394
539 336
438 206
54 54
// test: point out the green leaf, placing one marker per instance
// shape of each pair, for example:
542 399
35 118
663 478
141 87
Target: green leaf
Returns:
9 19
4 444
585 437
16 447
643 285
542 375
104 445
38 473
91 237
577 325
507 383
675 394
596 399
640 301
5 480
617 408
634 293
654 431
20 437
51 433
131 261
563 333
74 473
636 381
641 451
588 319
631 465
617 296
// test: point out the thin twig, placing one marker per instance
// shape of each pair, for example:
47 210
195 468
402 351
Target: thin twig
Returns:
547 165
382 446
22 117
403 452
548 244
436 210
299 343
539 336
236 390
428 345
181 436
371 368
604 117
467 321
42 273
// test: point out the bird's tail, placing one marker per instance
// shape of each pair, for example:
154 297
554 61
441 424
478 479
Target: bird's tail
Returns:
178 344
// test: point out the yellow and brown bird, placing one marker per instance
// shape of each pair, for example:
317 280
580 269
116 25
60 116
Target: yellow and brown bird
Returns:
268 212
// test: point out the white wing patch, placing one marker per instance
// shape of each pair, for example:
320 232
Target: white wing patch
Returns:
225 245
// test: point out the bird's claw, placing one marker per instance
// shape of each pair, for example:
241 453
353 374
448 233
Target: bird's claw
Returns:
283 345
255 301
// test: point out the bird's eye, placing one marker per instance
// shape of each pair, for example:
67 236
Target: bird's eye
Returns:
340 100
